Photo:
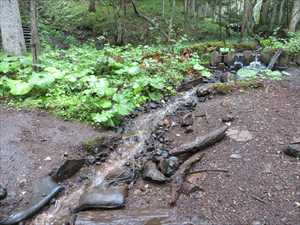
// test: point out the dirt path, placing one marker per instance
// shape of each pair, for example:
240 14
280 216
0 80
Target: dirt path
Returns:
31 145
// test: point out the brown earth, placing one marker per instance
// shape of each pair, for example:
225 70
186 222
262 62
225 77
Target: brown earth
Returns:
32 144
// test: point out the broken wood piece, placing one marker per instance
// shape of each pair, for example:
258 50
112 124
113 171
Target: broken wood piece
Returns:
208 170
274 59
201 143
179 176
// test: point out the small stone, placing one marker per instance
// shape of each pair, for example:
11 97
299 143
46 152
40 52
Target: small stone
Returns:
22 183
187 120
296 140
293 150
168 166
152 173
235 156
48 158
153 105
228 118
3 193
189 130
239 135
203 91
257 222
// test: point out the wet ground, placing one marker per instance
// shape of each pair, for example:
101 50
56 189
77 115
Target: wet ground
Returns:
262 183
32 144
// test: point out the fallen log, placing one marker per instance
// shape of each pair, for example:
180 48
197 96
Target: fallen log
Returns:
201 143
181 173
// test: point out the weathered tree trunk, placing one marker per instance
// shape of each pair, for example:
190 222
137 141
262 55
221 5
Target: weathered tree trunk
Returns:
247 19
34 35
295 16
92 5
281 12
11 28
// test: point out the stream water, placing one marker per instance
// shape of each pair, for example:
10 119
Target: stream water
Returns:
139 131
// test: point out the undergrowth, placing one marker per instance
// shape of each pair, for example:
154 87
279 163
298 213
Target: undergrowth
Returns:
99 87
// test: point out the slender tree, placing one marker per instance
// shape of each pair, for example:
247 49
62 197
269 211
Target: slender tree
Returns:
34 34
92 5
11 28
295 16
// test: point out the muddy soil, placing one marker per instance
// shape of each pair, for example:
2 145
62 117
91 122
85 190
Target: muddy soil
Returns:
32 144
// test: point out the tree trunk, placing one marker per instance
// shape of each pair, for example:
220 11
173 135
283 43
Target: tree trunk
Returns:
281 12
295 16
92 5
34 35
247 19
11 28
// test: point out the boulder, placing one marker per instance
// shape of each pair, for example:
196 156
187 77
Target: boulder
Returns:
103 198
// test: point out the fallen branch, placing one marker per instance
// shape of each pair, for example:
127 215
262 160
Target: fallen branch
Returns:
179 176
201 143
207 170
274 59
148 20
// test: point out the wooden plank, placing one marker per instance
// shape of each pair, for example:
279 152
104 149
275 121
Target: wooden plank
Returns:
131 217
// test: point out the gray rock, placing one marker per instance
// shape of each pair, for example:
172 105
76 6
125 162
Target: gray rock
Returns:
239 135
3 193
235 156
168 166
68 169
203 91
152 173
228 118
293 150
102 198
187 120
258 222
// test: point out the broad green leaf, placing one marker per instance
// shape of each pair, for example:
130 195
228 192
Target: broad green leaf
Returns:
41 80
57 74
4 67
105 104
18 87
246 73
206 74
198 67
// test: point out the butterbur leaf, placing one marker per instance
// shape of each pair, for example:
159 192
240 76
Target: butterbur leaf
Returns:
41 80
101 117
155 96
206 74
105 104
18 87
123 109
57 74
133 70
4 67
198 67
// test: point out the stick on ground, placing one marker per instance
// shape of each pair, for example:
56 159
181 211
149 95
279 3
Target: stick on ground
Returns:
179 176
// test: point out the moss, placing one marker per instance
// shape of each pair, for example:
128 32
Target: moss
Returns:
227 88
90 144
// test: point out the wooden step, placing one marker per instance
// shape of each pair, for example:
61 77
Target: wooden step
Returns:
137 217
